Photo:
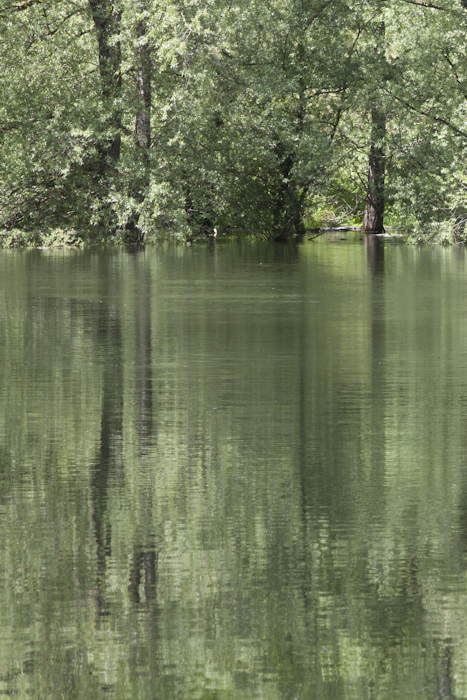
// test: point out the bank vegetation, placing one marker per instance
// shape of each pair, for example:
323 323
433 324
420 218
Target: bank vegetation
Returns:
134 121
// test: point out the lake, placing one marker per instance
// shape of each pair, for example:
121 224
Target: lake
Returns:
234 470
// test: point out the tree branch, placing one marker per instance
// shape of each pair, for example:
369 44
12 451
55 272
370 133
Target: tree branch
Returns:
19 8
431 5
439 120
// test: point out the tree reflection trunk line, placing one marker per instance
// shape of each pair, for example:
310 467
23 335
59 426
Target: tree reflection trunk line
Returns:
143 559
111 426
444 682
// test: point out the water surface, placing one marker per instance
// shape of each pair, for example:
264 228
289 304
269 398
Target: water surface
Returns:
234 470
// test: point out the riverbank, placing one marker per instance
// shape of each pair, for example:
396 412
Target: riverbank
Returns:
71 238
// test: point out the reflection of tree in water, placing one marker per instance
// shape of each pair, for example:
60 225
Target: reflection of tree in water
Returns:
111 430
143 561
406 608
144 558
374 248
143 356
463 518
318 577
376 438
443 680
342 457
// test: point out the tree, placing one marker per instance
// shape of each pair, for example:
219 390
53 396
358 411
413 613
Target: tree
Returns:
373 216
50 99
126 120
106 17
268 89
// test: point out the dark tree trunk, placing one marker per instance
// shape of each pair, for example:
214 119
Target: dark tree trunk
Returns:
288 208
288 201
199 220
108 457
444 679
107 23
373 218
142 124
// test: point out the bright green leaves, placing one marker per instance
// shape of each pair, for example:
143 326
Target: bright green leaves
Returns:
152 116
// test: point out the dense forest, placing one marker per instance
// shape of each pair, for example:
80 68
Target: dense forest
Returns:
130 121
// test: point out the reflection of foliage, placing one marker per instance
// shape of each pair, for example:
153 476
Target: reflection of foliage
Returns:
211 494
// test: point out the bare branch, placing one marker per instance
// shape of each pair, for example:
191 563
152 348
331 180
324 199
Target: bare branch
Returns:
427 4
51 32
26 5
456 75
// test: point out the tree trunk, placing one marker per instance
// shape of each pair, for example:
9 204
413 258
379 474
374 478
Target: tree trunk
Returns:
288 206
373 218
107 23
142 124
288 202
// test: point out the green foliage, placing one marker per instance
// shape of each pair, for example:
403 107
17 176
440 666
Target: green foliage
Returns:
139 120
50 238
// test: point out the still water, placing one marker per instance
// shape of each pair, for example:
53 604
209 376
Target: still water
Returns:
235 470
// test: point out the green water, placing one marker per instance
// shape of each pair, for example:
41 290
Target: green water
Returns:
234 471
